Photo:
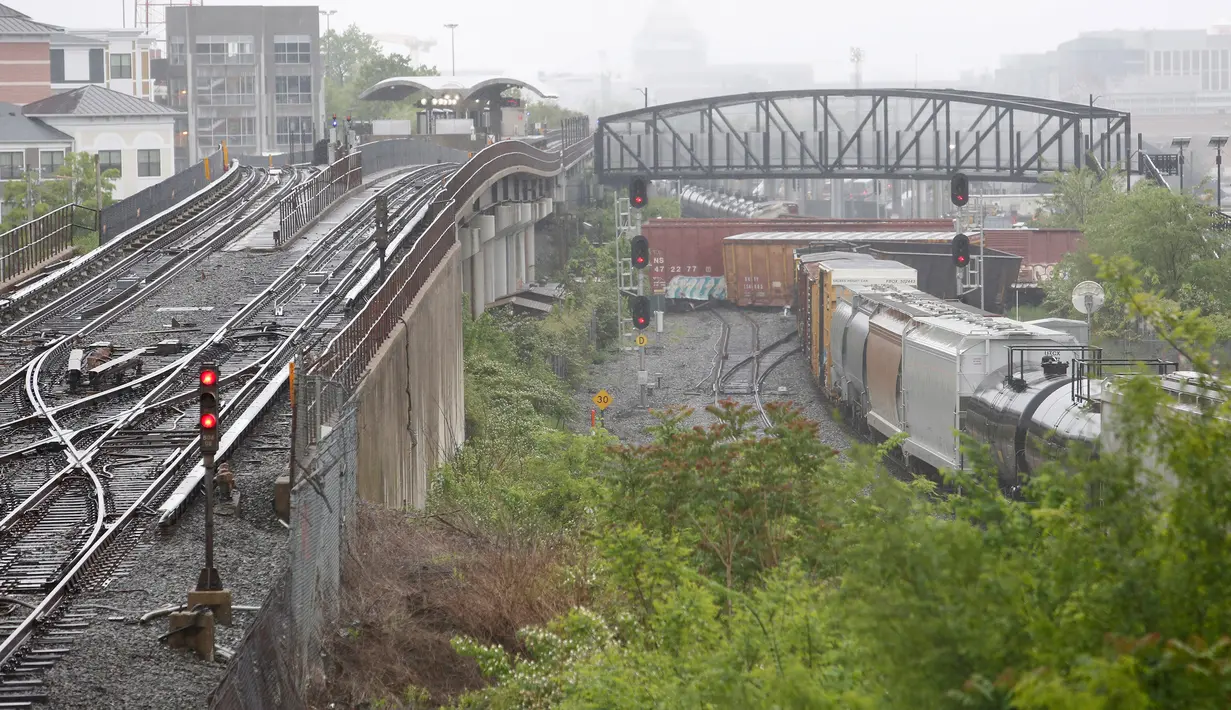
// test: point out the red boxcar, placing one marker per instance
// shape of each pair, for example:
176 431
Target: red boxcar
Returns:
693 247
1040 249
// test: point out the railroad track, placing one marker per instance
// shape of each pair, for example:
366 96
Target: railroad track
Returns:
110 259
68 527
747 375
28 396
132 270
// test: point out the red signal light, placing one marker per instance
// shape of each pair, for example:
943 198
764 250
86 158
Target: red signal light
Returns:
208 421
209 378
961 260
641 260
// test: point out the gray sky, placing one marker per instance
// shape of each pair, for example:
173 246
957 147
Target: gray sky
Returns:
544 35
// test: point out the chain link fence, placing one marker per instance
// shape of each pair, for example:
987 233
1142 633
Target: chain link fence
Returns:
279 664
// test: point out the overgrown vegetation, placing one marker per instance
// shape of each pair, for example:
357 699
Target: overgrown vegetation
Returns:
713 568
1167 234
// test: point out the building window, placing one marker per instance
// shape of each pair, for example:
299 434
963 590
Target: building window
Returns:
149 163
226 90
230 49
292 49
177 50
236 132
293 129
12 165
121 66
110 160
50 162
293 89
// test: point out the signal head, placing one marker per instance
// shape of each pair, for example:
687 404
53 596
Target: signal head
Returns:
959 190
209 421
209 378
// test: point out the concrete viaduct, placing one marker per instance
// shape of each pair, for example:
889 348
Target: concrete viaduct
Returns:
401 355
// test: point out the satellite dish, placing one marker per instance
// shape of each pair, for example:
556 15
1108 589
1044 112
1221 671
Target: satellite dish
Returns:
1088 297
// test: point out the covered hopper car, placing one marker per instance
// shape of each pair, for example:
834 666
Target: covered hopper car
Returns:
899 361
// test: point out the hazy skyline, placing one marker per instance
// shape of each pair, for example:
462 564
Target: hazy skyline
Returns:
543 38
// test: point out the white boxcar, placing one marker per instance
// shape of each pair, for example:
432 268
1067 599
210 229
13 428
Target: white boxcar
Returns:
944 359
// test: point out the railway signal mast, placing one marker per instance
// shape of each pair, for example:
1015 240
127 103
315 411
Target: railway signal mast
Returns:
209 602
959 194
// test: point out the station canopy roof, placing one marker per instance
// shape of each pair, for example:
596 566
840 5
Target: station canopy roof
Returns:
458 88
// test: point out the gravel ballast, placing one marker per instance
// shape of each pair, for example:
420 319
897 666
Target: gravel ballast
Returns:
122 664
684 353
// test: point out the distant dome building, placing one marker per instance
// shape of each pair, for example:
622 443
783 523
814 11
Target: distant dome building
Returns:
669 44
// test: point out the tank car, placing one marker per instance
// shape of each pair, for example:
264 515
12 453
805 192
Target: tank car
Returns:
897 360
1030 414
903 361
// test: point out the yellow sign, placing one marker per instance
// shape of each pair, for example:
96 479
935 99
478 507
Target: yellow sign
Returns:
642 341
602 400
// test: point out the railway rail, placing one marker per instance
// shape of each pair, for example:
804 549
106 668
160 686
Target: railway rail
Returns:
110 259
68 525
746 377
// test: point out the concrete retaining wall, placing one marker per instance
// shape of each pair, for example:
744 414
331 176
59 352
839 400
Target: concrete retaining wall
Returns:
412 401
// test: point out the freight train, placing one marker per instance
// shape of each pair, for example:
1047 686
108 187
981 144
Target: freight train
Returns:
898 360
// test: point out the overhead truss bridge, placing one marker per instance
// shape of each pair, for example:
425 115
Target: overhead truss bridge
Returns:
860 133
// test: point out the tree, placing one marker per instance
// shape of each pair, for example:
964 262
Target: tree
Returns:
354 62
74 182
552 115
345 53
1169 235
1076 195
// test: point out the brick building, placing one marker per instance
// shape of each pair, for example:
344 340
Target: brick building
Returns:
25 57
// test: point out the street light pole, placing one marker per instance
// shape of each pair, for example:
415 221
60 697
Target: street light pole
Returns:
1217 142
452 47
327 14
1181 143
646 93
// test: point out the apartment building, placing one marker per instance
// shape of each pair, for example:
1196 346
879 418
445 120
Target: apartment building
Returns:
247 75
116 59
25 57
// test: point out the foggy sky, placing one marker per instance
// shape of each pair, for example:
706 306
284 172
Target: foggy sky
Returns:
557 35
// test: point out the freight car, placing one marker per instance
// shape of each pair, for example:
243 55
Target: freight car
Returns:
898 360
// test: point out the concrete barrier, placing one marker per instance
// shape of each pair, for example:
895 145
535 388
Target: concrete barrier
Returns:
412 400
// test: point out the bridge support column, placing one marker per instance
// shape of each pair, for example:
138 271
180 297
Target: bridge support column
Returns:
529 254
484 258
519 261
